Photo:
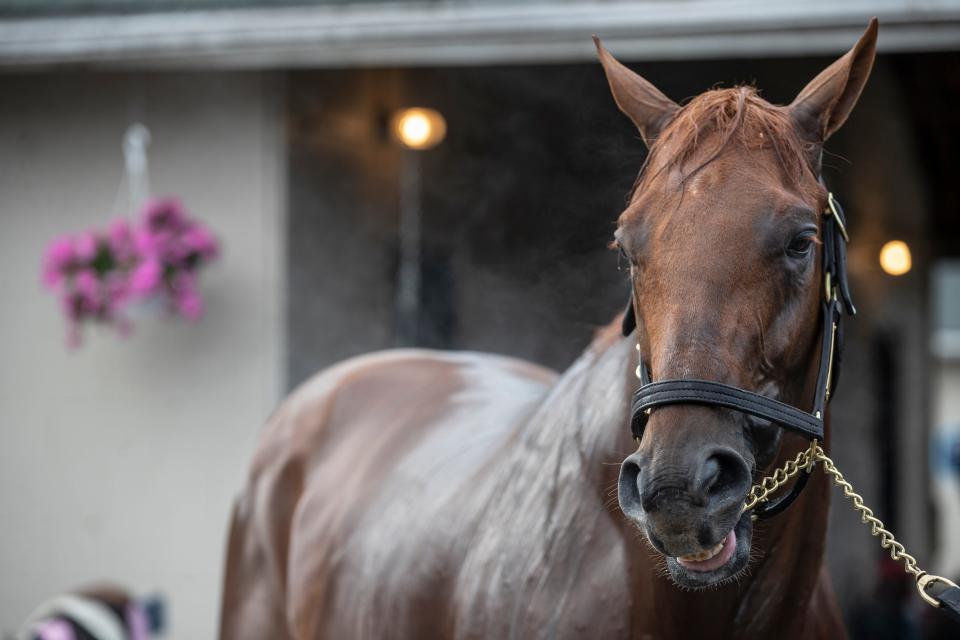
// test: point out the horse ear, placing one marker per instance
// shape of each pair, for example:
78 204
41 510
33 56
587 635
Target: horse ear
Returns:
824 104
642 102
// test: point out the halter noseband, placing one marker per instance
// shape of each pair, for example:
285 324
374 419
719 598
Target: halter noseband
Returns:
836 300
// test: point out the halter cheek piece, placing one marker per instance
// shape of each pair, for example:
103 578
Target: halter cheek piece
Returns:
836 301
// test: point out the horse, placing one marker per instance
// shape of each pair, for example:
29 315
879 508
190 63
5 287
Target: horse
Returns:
425 494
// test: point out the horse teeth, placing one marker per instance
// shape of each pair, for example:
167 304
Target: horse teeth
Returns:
704 555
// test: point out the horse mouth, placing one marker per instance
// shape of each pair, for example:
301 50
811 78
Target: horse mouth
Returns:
716 565
710 559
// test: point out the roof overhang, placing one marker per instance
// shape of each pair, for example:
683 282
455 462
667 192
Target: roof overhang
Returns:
456 33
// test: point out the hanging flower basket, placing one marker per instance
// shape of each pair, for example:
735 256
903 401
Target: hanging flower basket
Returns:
98 274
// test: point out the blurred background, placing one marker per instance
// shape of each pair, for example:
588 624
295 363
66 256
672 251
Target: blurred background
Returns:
275 124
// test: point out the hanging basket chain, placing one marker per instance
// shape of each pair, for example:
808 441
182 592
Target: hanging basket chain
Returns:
806 460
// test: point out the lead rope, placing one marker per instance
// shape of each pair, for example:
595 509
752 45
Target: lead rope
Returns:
806 460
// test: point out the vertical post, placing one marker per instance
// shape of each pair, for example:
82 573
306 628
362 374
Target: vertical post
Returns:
407 303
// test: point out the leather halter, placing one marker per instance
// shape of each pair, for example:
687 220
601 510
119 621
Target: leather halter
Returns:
836 301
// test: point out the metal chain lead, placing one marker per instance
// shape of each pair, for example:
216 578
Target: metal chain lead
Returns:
761 492
805 461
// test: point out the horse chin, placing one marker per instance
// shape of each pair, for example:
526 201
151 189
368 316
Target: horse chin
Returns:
688 577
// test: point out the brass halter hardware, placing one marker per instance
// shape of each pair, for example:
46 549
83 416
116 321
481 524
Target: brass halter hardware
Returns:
832 210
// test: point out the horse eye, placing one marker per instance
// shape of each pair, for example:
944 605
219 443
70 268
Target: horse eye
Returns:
801 245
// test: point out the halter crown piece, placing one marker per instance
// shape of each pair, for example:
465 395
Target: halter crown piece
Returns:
836 302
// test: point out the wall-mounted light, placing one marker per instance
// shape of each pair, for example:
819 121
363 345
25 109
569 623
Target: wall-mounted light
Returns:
419 128
895 258
416 128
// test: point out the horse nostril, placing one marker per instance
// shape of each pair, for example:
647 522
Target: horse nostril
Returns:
709 475
724 477
628 489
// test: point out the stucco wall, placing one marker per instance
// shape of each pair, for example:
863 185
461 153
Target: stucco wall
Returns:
119 461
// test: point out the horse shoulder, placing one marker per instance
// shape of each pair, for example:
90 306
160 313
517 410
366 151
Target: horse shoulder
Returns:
348 479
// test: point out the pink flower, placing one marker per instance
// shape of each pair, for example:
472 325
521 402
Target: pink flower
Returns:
70 303
57 259
87 285
146 277
186 296
119 231
120 241
189 304
117 289
145 242
201 242
87 297
175 252
165 213
85 246
98 273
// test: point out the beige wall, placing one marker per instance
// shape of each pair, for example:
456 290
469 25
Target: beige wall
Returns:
120 460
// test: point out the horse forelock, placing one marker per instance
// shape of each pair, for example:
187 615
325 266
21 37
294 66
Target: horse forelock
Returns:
718 119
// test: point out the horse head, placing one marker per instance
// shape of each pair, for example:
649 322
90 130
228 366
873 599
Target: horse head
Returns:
723 237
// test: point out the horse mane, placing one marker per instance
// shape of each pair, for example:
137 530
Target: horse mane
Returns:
712 121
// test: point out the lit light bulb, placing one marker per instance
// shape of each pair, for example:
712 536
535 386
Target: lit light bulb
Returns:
419 128
895 258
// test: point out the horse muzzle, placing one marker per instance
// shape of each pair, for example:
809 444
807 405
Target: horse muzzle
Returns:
692 512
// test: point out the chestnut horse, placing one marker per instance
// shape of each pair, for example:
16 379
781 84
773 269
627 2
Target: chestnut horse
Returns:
419 494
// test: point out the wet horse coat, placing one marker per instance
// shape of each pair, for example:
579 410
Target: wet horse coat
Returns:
419 494
482 510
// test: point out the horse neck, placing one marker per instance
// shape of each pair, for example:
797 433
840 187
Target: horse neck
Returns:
776 592
588 409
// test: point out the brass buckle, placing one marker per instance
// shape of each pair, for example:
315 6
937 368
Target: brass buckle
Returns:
638 371
833 341
832 210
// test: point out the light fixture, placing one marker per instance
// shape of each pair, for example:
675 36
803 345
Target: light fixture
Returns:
419 128
895 258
